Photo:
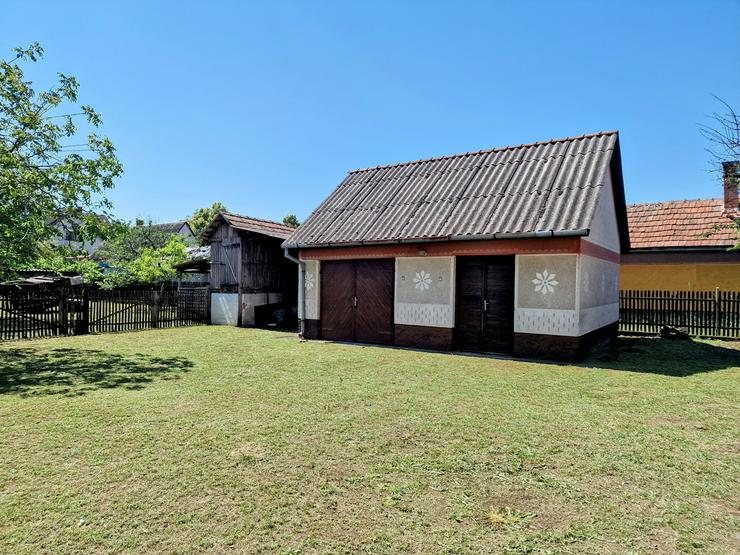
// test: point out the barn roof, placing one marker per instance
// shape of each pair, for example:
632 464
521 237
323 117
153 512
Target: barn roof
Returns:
679 224
246 223
171 227
537 189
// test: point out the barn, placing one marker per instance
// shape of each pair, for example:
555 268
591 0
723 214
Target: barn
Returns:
252 284
509 250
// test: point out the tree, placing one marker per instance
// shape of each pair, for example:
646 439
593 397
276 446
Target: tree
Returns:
127 242
202 217
723 135
48 171
153 266
291 220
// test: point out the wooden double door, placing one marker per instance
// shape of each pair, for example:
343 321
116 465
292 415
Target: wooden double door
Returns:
357 300
485 303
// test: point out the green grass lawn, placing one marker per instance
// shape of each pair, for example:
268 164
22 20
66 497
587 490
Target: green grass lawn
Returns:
231 440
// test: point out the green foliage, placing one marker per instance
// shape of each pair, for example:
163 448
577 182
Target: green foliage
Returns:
156 265
203 216
153 266
128 242
63 261
150 266
291 220
48 169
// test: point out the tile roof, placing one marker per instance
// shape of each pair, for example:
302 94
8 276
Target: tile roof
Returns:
247 223
541 187
678 224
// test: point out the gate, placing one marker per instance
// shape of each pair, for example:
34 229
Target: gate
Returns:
30 313
26 313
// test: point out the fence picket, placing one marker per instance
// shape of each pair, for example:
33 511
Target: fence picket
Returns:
43 313
701 313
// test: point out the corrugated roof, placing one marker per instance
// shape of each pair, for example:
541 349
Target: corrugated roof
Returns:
541 187
679 224
247 223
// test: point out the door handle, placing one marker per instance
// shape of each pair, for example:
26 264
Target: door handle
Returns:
354 302
485 305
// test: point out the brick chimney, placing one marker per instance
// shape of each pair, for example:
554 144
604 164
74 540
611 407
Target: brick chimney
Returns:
731 180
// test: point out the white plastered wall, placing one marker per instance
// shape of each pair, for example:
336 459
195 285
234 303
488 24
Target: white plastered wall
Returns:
598 293
425 291
312 290
546 294
604 230
578 294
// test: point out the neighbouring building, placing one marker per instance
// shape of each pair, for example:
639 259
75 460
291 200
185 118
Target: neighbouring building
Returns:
252 283
68 234
669 248
196 270
512 250
181 228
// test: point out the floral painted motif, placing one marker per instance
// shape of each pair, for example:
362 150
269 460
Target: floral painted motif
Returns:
310 281
545 282
422 280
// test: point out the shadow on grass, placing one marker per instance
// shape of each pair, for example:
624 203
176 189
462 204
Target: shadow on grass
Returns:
669 357
71 372
650 355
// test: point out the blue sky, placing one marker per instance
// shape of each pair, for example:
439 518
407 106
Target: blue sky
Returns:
265 106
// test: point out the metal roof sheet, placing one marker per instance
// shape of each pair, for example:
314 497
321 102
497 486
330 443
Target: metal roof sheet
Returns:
534 188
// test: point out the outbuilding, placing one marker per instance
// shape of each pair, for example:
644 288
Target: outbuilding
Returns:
685 245
511 250
252 284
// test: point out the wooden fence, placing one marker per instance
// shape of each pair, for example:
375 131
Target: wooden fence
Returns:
29 313
701 313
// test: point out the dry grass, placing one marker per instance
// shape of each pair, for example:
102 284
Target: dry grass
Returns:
231 440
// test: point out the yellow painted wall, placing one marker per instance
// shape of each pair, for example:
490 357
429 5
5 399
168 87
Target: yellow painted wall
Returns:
680 277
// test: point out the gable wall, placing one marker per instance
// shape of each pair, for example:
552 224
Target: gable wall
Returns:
604 230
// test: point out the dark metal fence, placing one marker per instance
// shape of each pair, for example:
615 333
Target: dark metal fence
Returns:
701 313
27 313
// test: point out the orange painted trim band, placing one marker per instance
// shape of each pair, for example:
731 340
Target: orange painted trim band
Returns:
597 251
554 245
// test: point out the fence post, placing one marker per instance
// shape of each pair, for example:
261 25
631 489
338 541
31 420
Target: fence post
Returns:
84 328
155 309
716 312
208 306
63 321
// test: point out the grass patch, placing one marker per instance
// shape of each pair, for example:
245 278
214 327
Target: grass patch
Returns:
215 438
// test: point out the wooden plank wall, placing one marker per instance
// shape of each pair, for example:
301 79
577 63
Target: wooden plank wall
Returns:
225 257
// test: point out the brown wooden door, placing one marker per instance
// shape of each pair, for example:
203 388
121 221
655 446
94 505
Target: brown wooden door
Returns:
470 279
357 301
374 292
485 306
498 325
337 300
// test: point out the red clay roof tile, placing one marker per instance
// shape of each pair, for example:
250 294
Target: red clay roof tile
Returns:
679 223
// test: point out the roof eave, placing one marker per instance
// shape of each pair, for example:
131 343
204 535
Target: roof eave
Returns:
488 237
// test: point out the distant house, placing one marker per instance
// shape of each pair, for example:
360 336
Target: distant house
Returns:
669 249
252 283
181 228
514 250
68 235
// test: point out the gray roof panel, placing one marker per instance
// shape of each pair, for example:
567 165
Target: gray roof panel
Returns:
548 186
